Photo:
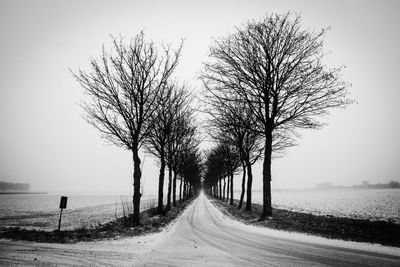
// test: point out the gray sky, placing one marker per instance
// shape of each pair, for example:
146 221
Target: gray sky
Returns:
44 140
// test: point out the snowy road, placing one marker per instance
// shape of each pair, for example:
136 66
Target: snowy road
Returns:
203 236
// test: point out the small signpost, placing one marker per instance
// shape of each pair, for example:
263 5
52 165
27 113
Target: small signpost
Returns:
63 205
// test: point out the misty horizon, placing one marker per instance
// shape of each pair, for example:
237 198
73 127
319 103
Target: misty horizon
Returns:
199 133
45 142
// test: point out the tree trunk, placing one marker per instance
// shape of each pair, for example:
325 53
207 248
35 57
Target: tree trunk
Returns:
180 191
220 189
161 183
249 185
137 174
267 208
243 185
169 188
174 188
228 189
231 199
224 191
184 190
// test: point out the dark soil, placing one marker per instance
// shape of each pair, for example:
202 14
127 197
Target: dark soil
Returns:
382 232
151 222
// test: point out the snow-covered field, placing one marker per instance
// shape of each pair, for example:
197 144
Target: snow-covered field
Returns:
40 211
203 236
83 210
371 204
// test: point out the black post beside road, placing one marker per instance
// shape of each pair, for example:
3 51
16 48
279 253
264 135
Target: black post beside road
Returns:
59 221
63 205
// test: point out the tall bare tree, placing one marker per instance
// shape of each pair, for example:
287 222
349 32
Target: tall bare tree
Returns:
185 145
124 86
232 163
188 148
276 68
173 100
183 137
217 168
231 122
191 172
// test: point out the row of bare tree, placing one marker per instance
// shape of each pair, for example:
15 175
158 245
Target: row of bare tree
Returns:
263 82
134 102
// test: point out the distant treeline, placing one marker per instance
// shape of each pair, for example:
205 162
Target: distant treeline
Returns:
364 184
4 186
391 184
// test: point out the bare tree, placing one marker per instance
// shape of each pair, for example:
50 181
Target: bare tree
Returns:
124 85
232 122
192 172
185 143
220 164
189 169
214 171
172 101
276 68
232 163
183 137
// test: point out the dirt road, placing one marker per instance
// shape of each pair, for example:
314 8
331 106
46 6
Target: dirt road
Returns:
203 236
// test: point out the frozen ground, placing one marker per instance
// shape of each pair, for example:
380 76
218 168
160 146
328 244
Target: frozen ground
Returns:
356 203
40 211
204 236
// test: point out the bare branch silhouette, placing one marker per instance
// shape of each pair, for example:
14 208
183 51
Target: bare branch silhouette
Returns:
124 86
276 69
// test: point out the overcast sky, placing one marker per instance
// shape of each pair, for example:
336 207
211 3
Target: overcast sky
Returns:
44 140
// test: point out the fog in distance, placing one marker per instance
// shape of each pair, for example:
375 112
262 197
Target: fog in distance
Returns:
45 142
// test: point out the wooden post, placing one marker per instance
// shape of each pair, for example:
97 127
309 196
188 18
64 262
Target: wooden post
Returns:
63 205
59 221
